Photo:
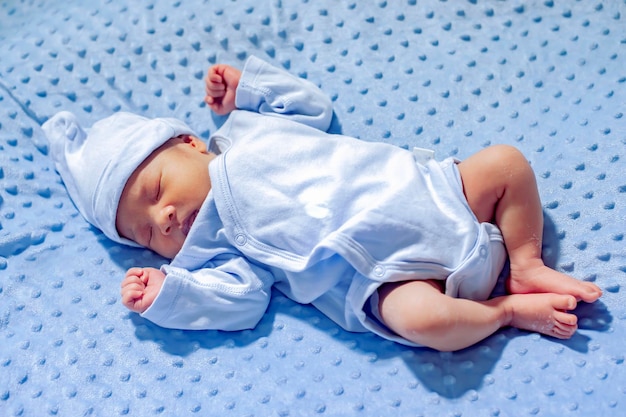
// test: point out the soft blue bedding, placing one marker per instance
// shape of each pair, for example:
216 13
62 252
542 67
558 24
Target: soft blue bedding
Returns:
454 76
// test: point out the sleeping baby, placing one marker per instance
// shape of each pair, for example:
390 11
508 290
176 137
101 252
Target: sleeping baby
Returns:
377 237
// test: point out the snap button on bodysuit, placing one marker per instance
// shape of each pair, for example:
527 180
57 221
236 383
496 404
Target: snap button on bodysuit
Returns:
241 239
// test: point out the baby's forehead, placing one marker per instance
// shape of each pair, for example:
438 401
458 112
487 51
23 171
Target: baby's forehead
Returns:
145 167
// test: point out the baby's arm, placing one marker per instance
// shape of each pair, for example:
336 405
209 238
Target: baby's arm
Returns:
267 90
221 85
140 287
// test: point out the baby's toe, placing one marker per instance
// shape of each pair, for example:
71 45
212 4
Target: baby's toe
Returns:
564 303
563 333
565 325
565 319
591 292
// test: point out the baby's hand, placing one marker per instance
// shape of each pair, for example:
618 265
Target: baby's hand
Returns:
140 287
221 84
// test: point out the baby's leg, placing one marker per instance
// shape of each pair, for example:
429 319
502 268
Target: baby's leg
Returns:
421 313
500 187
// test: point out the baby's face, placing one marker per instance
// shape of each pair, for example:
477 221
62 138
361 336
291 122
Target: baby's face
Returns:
162 197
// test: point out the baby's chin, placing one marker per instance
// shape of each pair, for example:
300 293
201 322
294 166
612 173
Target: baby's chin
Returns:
171 251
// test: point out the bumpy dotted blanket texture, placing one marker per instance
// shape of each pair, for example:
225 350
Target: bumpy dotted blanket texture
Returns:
547 76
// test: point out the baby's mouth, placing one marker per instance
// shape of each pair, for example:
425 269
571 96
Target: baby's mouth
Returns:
189 221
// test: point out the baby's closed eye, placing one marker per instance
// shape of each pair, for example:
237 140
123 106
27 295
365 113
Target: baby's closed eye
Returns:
157 191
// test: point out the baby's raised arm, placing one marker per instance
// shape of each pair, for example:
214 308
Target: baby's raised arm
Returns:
221 85
140 288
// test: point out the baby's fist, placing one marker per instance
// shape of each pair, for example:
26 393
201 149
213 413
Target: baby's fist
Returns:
140 288
221 88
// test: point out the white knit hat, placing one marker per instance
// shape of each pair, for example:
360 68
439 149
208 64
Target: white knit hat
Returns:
96 163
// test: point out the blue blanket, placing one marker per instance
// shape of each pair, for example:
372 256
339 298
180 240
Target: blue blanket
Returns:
453 76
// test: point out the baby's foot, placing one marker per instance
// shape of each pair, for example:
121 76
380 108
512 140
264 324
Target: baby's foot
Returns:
543 313
539 278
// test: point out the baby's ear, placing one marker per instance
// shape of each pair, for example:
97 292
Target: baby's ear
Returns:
195 142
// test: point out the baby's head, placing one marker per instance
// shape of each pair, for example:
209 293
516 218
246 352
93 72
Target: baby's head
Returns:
104 169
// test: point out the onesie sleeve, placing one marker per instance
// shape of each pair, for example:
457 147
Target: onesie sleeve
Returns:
231 295
269 90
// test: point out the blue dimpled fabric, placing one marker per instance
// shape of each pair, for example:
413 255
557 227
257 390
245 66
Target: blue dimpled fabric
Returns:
547 76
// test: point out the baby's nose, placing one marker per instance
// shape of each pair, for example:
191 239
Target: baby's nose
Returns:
167 219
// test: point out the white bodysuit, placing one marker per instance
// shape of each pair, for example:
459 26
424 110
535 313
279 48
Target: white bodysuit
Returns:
324 218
